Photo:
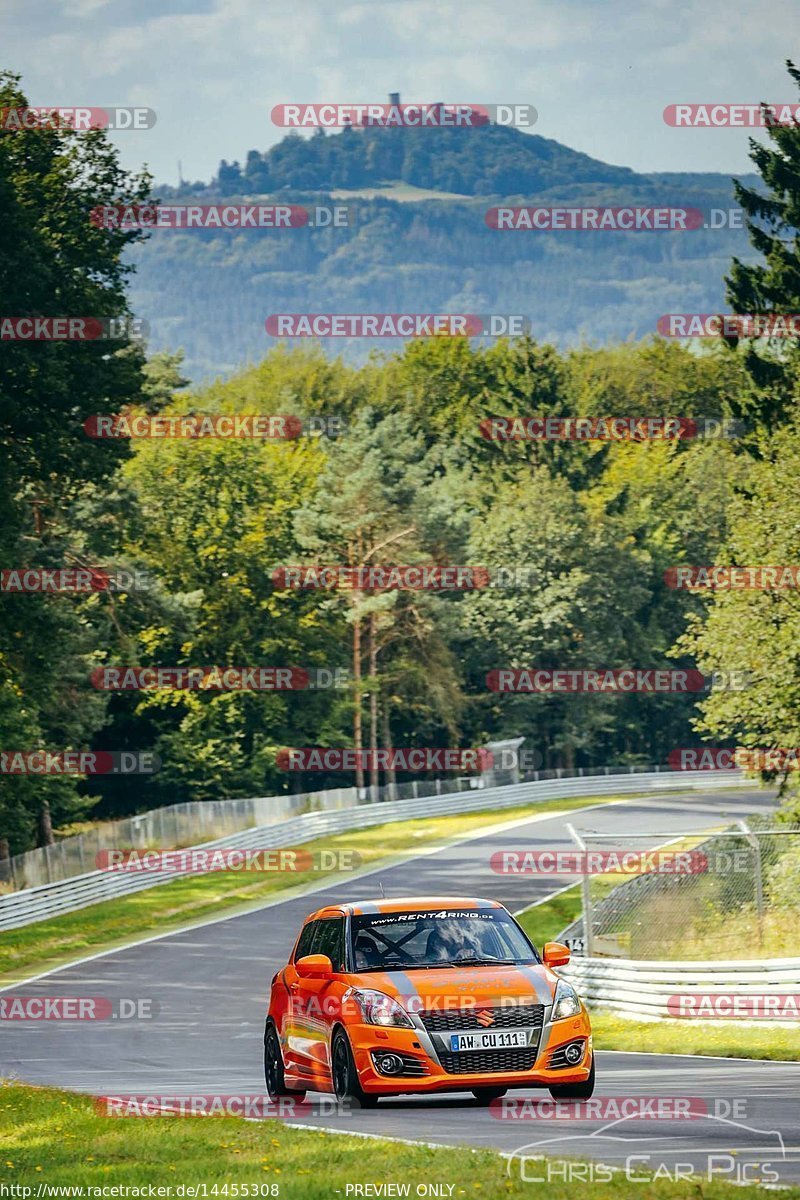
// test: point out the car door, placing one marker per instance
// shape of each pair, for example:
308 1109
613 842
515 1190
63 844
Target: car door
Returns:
318 1000
292 1031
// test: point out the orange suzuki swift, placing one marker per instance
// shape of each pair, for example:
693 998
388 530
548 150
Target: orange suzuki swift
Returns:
424 994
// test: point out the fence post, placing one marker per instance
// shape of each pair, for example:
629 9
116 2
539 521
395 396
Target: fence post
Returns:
756 848
588 932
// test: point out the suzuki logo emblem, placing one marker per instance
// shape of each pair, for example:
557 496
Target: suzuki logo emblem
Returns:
484 1017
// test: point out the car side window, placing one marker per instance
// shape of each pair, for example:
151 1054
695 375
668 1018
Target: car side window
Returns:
306 939
330 941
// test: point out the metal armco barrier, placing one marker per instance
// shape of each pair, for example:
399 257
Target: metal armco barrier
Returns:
184 824
67 895
643 988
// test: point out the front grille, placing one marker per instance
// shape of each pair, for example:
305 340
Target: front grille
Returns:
411 1065
508 1016
470 1062
556 1059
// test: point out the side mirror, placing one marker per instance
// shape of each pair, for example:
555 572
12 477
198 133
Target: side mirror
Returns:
317 966
555 954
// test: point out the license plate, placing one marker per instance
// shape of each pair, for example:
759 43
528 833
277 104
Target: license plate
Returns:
498 1040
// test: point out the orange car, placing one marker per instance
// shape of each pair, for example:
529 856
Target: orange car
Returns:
424 994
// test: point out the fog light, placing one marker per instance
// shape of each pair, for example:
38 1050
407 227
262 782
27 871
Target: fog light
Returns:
390 1064
574 1053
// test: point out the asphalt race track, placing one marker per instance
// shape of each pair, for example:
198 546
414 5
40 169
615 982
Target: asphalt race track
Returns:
210 986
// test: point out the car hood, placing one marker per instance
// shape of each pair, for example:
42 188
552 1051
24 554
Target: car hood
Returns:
484 985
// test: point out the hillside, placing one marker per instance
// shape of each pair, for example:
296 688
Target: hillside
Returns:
209 292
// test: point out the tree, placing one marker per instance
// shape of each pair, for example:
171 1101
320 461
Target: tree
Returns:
54 262
576 604
773 286
361 516
756 630
212 519
163 376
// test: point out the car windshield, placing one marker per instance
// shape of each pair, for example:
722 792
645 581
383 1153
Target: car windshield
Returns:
455 937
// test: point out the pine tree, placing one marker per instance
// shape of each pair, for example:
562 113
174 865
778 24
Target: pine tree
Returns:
773 224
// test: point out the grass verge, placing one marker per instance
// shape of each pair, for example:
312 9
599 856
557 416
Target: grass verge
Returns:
737 935
57 1139
171 906
544 921
727 1039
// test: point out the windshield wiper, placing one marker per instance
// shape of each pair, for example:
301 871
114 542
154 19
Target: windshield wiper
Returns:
387 967
446 962
485 962
407 967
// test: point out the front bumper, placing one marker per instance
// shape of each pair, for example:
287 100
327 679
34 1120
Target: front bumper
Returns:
420 1046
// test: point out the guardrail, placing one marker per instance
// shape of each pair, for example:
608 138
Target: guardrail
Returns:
643 988
196 821
173 825
67 895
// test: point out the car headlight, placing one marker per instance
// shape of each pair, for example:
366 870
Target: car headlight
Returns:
565 1002
380 1009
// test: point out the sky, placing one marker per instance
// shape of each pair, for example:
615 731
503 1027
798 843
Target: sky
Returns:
599 72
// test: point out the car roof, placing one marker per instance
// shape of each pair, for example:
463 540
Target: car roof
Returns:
402 904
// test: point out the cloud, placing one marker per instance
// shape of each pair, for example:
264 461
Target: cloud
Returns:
599 74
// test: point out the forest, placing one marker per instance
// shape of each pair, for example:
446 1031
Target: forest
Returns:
578 540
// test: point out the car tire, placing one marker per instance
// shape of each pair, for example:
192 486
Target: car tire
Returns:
344 1076
487 1094
574 1091
273 1066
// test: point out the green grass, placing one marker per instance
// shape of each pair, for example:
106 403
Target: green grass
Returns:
57 1138
545 921
736 934
172 906
728 1039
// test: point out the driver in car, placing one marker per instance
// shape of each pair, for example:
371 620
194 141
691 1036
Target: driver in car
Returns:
448 940
367 952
